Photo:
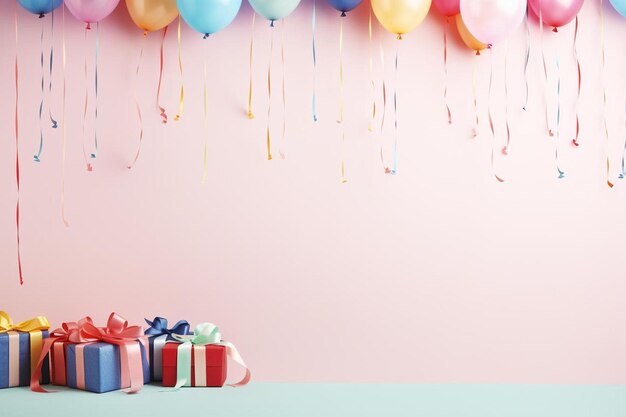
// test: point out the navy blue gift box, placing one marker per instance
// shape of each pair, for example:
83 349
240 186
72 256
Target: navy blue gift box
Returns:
15 359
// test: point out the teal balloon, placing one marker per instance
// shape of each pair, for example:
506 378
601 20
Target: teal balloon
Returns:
620 6
208 16
274 9
40 7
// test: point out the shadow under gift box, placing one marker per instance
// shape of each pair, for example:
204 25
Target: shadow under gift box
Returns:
208 365
101 364
17 360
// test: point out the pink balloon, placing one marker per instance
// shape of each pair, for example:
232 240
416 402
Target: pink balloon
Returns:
491 21
556 12
448 7
91 11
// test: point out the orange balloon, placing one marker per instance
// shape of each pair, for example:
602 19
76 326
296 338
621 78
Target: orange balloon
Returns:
467 37
151 15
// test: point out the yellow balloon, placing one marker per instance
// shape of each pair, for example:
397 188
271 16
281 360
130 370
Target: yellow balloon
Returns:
400 16
151 15
467 37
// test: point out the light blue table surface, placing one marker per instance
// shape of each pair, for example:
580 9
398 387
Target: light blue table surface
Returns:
322 400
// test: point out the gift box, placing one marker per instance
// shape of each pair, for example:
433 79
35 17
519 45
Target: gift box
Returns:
208 365
96 367
97 359
199 360
158 334
20 347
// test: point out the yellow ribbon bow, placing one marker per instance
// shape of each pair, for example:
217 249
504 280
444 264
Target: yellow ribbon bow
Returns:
37 323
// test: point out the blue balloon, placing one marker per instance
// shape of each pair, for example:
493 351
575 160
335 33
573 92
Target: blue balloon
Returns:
620 6
344 5
40 7
208 16
274 9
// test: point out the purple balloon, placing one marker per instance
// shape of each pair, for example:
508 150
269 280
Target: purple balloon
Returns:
91 11
448 8
344 5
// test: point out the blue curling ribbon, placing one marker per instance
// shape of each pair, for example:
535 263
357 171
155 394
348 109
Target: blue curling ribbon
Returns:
158 327
37 156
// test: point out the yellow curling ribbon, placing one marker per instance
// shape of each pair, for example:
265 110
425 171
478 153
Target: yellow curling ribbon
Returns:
606 127
182 87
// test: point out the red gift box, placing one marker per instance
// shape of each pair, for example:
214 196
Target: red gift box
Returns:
208 365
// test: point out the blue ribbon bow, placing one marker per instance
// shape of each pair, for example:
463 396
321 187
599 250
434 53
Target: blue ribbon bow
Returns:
158 327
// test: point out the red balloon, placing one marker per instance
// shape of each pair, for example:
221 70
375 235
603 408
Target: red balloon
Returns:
448 8
556 13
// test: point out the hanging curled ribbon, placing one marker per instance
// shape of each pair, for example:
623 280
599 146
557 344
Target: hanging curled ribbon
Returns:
63 131
51 60
17 153
558 118
476 121
493 132
38 154
181 97
505 149
269 93
137 105
204 334
205 114
370 127
341 103
314 99
545 70
384 91
527 58
250 114
394 170
622 175
445 69
282 60
162 112
606 127
575 140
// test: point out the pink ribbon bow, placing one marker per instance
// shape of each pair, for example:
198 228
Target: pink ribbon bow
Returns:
116 332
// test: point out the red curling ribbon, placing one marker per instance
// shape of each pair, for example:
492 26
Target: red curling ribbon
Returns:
161 108
575 140
17 154
545 70
384 91
505 149
137 105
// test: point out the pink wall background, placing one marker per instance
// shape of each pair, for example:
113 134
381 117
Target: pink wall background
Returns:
439 274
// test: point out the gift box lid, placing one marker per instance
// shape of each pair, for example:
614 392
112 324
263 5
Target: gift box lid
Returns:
215 354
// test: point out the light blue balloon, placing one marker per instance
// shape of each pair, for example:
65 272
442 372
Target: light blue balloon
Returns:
274 9
344 6
620 6
40 7
208 16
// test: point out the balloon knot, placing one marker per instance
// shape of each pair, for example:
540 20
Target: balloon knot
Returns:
88 26
206 36
343 14
489 46
555 30
399 37
272 23
145 33
41 15
477 53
